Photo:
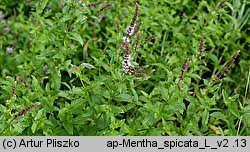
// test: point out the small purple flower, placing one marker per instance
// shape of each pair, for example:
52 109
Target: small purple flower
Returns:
126 58
130 28
125 66
9 50
201 45
120 46
150 38
25 110
93 4
117 24
104 8
45 68
20 78
125 39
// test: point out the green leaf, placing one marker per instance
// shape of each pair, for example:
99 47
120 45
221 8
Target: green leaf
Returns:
34 127
56 80
101 108
116 110
148 119
59 55
41 5
84 78
205 117
39 114
195 76
89 66
18 127
213 58
77 37
219 115
68 127
135 95
160 66
190 110
225 98
123 97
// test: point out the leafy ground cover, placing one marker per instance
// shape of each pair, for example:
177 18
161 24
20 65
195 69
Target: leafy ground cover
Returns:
120 67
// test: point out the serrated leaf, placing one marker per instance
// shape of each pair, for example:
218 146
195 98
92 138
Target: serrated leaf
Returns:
205 117
180 107
77 37
68 127
117 110
164 92
59 55
213 58
34 127
246 109
41 5
35 81
101 108
190 110
77 90
123 97
48 122
195 76
160 65
219 115
56 79
202 67
39 114
135 95
63 94
84 78
225 97
149 119
18 127
144 93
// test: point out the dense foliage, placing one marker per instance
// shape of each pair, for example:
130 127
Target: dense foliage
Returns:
61 68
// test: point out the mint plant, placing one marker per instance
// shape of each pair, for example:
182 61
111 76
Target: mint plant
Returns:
72 67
